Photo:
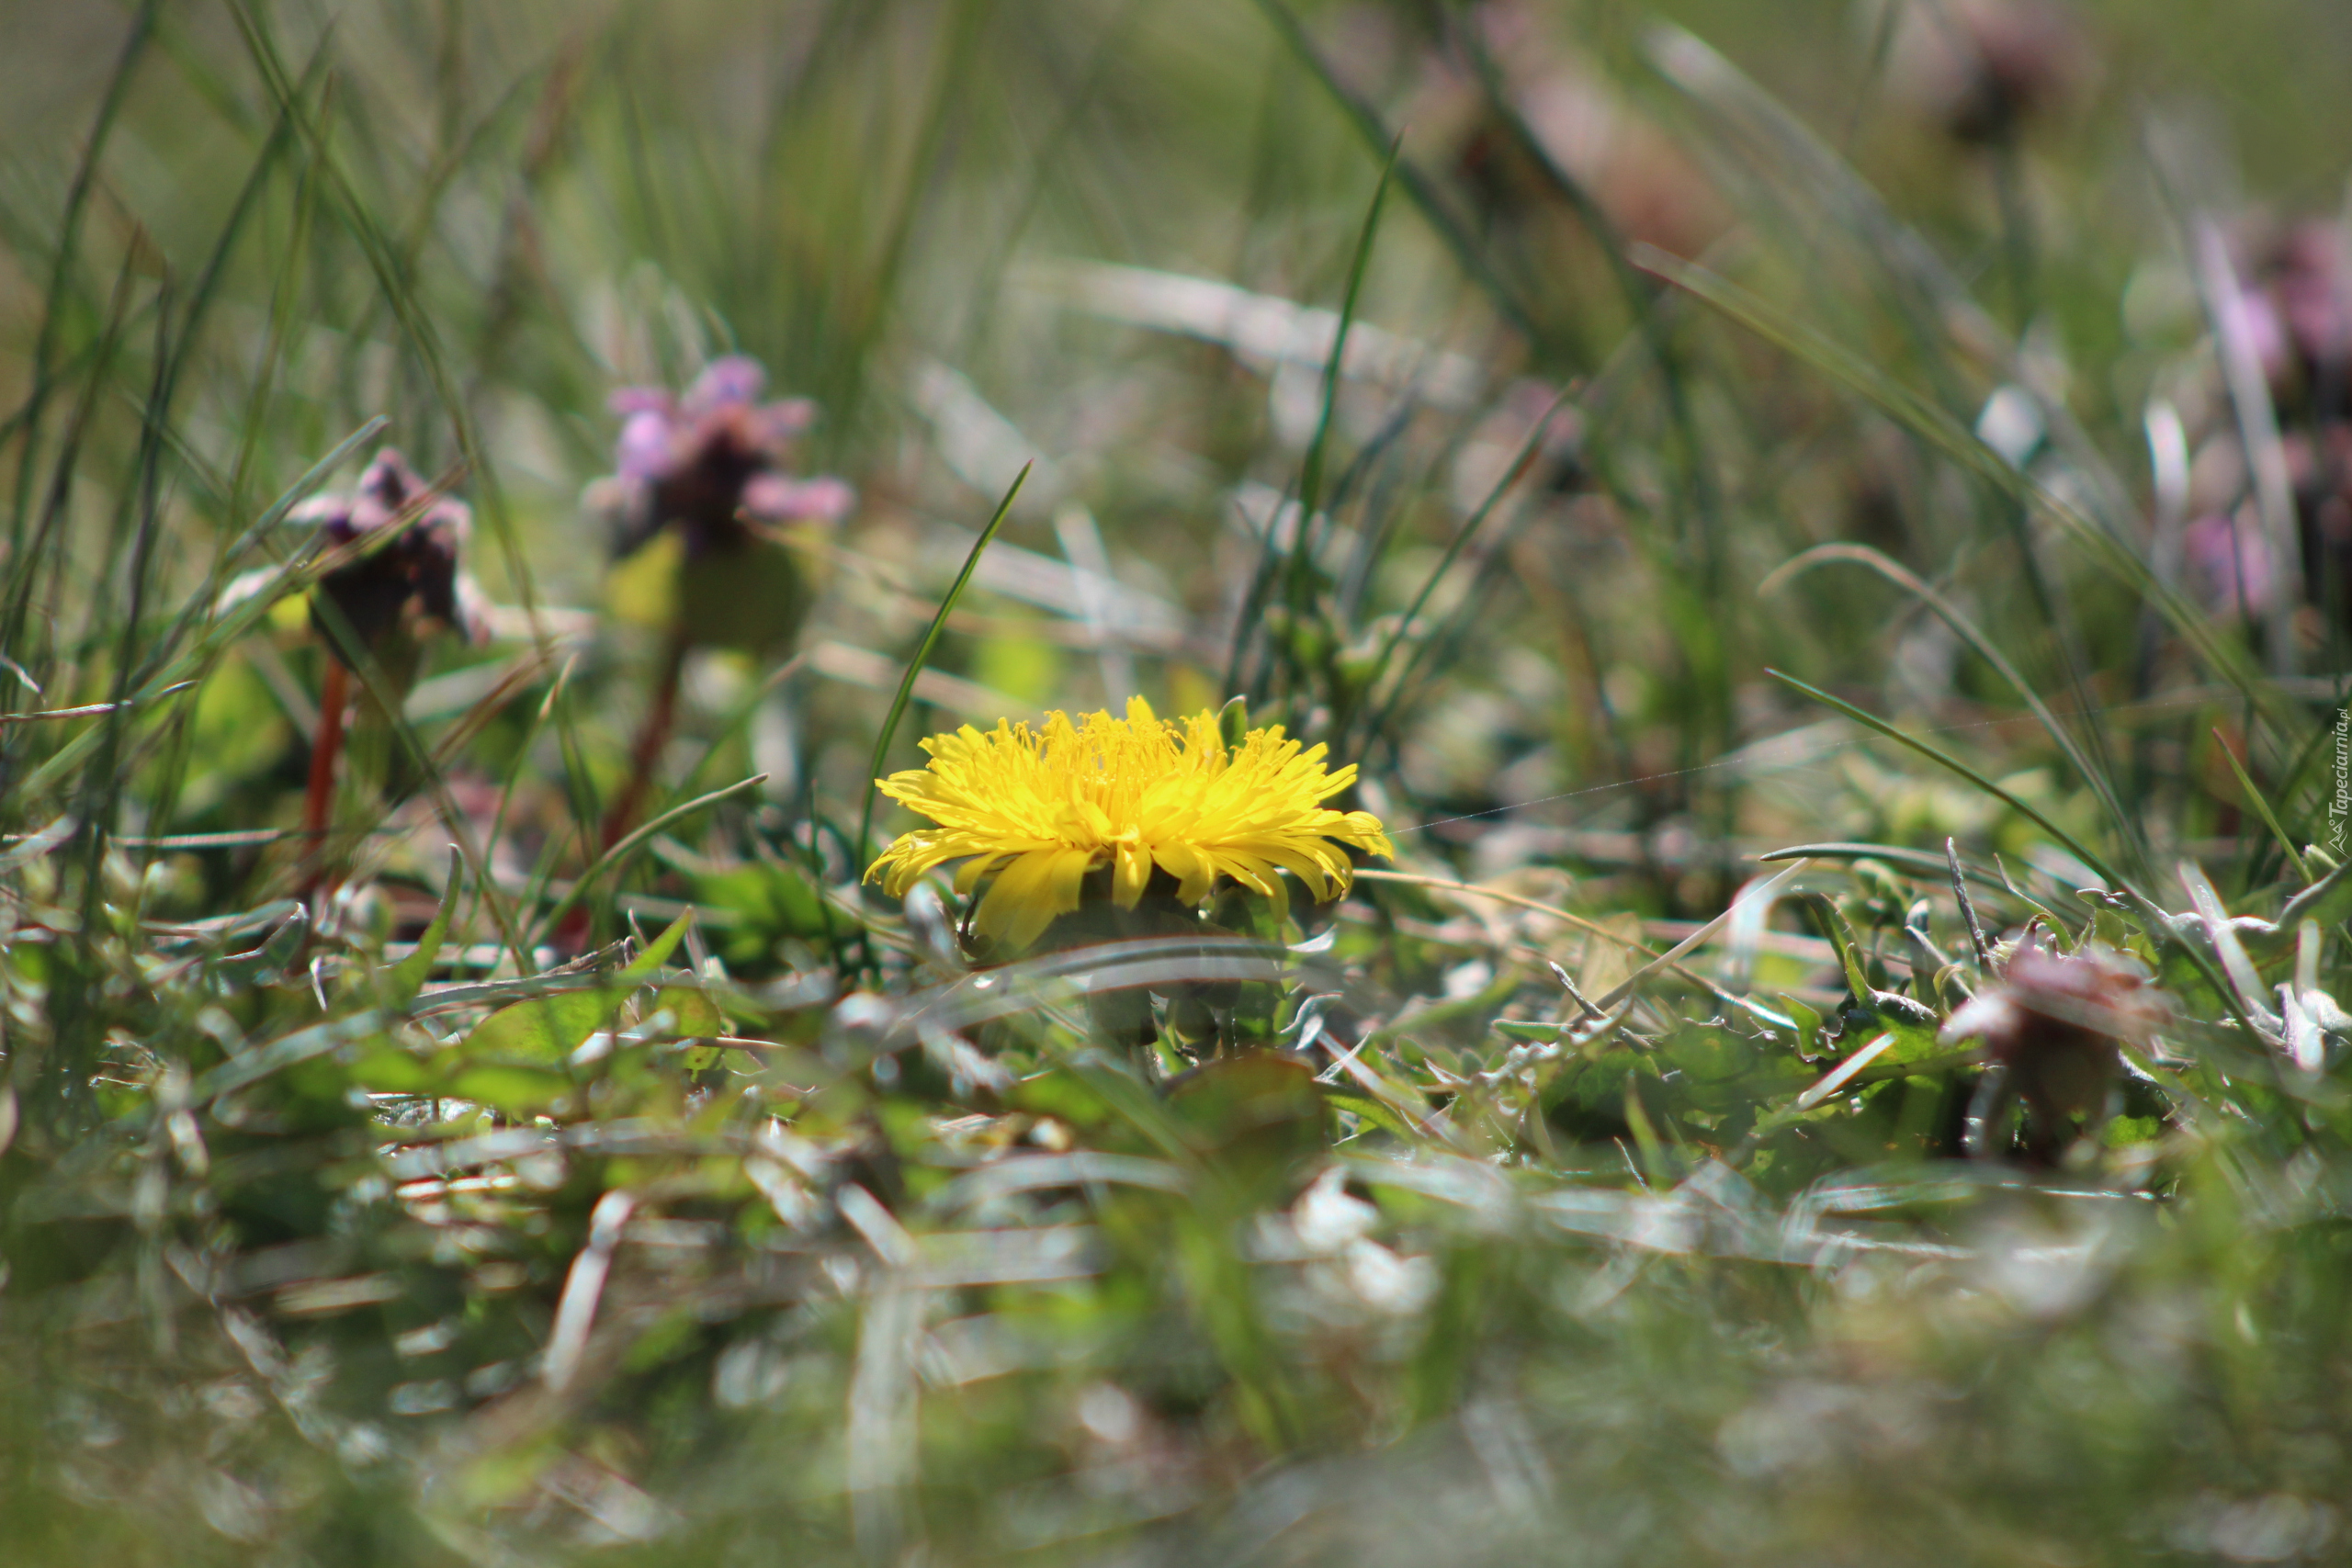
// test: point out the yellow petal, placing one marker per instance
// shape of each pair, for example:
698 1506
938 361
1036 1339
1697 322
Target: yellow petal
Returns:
1017 887
967 875
1028 894
1250 872
1192 870
1028 811
1130 872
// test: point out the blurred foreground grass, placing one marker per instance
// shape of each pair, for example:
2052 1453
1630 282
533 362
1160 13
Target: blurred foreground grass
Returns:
1731 477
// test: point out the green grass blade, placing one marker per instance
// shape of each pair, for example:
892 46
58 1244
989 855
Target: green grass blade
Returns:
1945 760
2101 783
914 666
1310 478
620 852
1378 137
404 980
223 630
1955 441
1454 547
2262 809
134 48
1297 590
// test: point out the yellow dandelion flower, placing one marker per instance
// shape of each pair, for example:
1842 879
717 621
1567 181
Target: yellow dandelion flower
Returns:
1041 809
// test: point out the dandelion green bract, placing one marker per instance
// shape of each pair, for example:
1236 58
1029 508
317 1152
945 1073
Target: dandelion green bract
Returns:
1039 808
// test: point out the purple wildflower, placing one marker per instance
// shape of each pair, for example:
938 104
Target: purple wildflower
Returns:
411 585
2299 311
1986 69
711 460
2230 564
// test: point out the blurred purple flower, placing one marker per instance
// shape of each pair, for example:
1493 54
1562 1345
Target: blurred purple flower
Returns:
413 584
774 495
2028 56
1987 68
2230 564
2297 300
2310 285
709 460
2268 335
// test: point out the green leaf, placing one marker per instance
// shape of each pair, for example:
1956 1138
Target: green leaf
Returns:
629 846
1369 1110
2328 901
1809 1045
1255 1114
391 1070
693 1016
1988 649
545 1029
657 952
1233 722
1913 1023
294 1049
407 977
515 1090
1937 426
1841 936
1942 759
1064 1096
770 902
697 1017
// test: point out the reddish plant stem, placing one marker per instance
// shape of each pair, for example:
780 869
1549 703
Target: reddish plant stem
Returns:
571 933
652 738
317 806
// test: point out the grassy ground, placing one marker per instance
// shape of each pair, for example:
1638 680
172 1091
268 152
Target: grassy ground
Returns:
1646 442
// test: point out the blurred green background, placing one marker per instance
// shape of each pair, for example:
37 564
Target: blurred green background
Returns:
1641 304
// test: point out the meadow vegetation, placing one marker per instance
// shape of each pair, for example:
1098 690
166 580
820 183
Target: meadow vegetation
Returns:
1794 1017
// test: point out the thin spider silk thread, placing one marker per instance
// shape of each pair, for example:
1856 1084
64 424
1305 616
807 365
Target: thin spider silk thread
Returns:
1733 761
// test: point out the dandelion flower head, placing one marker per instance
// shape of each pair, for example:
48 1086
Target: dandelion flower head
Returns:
1041 808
